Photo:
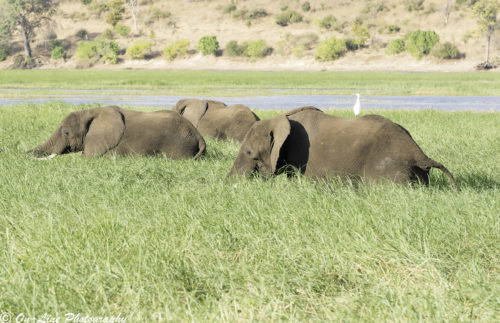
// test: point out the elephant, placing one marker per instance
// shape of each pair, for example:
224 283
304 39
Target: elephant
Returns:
370 148
217 120
113 130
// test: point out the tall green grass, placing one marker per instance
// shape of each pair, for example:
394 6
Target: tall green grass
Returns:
154 239
256 83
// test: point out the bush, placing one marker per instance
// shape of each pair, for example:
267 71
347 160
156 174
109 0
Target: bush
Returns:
208 45
116 12
257 49
176 49
288 17
257 13
395 46
329 22
420 43
306 6
4 52
330 49
53 43
414 5
122 30
82 34
361 34
98 50
392 29
244 14
86 2
446 50
108 34
139 50
156 15
229 8
97 8
57 52
233 49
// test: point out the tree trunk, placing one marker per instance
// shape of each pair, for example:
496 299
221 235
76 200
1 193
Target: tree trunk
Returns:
447 12
27 46
135 22
488 39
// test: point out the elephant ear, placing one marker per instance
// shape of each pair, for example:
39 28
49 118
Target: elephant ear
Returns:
280 129
193 110
105 129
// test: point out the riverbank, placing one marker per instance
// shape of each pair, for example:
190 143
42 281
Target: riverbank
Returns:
243 83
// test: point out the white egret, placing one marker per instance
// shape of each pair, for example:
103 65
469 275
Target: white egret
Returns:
357 106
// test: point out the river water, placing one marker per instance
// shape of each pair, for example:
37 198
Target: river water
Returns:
280 102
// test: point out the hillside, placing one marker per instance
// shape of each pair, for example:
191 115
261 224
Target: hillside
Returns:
290 47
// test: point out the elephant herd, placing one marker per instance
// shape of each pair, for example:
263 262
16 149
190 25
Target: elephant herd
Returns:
304 140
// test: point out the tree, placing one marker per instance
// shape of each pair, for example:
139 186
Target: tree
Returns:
134 8
26 16
486 12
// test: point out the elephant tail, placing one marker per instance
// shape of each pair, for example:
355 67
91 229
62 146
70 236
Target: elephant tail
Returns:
432 163
202 147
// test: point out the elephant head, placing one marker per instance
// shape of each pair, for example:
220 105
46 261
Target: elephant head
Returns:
194 109
92 131
260 149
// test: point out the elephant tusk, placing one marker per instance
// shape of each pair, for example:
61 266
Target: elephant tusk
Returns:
48 157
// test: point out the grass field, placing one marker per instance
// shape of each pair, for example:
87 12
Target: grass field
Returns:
255 83
153 240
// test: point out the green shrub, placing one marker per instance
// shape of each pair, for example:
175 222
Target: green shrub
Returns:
374 8
139 50
257 49
176 49
445 50
329 22
82 34
86 2
306 6
57 52
288 17
234 49
468 3
241 14
420 43
208 45
4 52
330 49
229 8
116 11
53 43
97 8
98 50
122 30
361 34
155 14
414 5
351 44
392 29
107 34
395 46
257 13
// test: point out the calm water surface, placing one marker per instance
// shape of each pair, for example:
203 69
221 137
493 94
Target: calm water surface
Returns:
281 102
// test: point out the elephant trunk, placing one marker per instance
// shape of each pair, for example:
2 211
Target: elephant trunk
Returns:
242 167
54 145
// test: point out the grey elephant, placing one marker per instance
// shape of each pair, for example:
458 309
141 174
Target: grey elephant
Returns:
112 130
217 120
322 146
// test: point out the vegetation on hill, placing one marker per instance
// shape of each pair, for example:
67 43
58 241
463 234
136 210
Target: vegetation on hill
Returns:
374 27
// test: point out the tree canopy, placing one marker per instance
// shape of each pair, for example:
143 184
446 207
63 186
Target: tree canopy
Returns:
25 16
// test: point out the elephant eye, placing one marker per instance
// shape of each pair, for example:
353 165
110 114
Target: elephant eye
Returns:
249 152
